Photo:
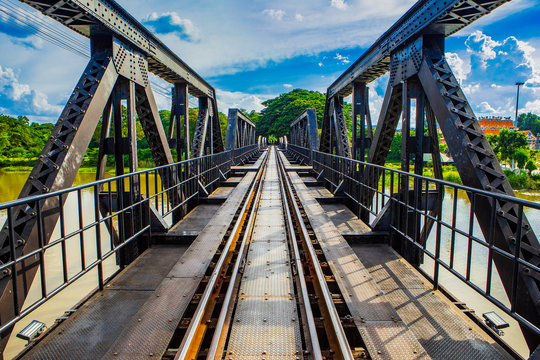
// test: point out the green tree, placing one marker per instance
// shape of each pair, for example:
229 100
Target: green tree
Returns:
394 155
280 112
529 121
521 156
507 143
530 166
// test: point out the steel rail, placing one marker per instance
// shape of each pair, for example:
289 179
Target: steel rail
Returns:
312 330
343 350
194 334
219 336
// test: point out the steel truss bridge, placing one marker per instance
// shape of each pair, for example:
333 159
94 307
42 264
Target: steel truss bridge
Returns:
235 249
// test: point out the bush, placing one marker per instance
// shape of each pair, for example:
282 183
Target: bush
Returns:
521 180
452 176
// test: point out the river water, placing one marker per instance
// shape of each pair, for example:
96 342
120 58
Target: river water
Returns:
11 183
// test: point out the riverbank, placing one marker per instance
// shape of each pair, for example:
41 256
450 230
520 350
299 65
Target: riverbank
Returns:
519 182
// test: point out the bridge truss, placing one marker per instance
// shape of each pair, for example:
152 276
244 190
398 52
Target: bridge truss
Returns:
412 51
123 53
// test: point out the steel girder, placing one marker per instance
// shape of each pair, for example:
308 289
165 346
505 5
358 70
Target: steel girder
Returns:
478 167
424 17
207 138
241 131
82 15
304 130
334 135
178 132
426 76
362 141
55 169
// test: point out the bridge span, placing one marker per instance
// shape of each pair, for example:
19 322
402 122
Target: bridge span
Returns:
271 265
309 248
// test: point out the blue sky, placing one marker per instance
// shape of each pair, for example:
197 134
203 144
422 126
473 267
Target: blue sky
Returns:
254 50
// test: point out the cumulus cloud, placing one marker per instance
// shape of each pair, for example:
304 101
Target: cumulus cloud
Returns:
532 106
339 4
236 99
21 99
288 86
460 69
488 69
299 17
277 14
171 23
342 59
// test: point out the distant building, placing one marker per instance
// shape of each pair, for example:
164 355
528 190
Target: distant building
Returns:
495 123
492 125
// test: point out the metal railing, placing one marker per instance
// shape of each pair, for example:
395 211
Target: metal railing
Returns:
94 222
456 245
240 155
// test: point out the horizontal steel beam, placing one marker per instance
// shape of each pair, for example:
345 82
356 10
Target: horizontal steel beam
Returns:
425 17
80 15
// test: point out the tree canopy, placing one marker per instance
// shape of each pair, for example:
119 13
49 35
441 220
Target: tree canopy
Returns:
281 111
529 122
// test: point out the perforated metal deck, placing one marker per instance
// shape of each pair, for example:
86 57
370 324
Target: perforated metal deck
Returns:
265 323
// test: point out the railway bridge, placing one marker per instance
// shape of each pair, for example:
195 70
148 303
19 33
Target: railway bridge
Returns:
235 248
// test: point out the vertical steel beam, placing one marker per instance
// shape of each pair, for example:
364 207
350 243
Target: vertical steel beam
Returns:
178 132
478 167
55 169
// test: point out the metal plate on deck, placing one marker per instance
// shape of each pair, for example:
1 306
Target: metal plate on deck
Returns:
388 340
266 280
149 332
265 329
440 327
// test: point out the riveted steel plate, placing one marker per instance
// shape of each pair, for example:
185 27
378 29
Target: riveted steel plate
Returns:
266 280
389 340
368 305
440 327
265 328
94 327
262 252
151 329
265 323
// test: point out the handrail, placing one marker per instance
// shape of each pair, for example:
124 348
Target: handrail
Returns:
121 204
345 175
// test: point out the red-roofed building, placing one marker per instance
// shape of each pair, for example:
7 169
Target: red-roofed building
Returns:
495 123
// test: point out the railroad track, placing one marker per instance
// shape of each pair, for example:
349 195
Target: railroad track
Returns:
268 293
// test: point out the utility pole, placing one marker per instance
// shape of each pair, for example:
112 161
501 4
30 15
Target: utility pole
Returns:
518 84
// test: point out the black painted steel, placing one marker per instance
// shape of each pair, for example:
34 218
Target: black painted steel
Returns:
241 131
304 130
404 211
129 213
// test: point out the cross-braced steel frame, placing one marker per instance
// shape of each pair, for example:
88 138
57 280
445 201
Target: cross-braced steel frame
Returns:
304 130
123 52
412 50
241 131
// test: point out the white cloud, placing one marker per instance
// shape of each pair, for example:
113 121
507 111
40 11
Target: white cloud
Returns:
342 59
288 86
458 66
171 23
339 4
532 106
277 14
236 99
320 64
21 99
299 17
